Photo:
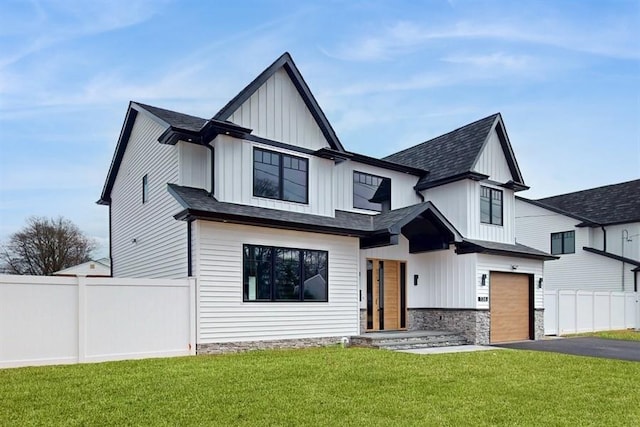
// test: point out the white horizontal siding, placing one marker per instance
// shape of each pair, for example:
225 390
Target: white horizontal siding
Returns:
234 178
580 270
492 161
277 111
195 164
223 316
489 263
445 279
402 192
159 249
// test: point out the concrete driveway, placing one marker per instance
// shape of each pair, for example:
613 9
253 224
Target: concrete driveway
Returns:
583 346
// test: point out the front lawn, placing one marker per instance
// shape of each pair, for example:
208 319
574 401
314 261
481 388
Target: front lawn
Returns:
625 334
329 386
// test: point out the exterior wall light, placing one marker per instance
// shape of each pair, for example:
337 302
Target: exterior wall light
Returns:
415 280
484 280
540 283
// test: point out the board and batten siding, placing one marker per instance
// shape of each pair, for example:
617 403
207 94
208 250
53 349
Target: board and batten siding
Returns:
146 240
224 317
579 270
195 165
459 202
402 192
234 178
492 161
445 279
277 111
488 263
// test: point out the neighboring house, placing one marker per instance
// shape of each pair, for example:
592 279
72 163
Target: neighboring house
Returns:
98 268
595 232
292 237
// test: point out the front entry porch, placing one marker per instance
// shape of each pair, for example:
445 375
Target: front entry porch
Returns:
403 340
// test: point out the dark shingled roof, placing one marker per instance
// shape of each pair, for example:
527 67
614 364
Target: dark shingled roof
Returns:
448 155
197 202
506 249
611 204
175 119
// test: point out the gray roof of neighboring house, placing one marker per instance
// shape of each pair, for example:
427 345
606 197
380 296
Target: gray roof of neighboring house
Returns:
610 204
497 248
448 155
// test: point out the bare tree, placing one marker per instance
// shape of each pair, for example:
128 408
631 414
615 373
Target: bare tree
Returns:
45 246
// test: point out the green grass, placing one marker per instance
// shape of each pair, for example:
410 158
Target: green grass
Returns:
625 334
329 386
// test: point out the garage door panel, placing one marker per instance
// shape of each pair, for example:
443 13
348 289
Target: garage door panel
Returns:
510 307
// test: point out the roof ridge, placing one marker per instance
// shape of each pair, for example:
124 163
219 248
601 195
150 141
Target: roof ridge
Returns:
585 190
494 115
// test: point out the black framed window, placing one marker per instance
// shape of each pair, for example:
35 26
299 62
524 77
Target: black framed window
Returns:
284 274
280 176
490 206
145 189
371 192
563 243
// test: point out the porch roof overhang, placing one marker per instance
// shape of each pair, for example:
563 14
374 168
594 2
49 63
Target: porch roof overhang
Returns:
423 224
469 246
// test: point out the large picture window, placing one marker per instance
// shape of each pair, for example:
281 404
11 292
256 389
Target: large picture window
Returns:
371 192
490 206
563 243
284 274
280 176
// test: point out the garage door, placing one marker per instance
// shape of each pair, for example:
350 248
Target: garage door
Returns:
509 299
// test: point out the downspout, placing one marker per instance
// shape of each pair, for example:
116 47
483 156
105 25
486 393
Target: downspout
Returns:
419 194
213 175
189 255
604 238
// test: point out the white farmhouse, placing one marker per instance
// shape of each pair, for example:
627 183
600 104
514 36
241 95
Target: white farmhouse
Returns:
295 240
595 232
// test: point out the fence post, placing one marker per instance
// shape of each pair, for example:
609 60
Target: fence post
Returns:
82 318
193 318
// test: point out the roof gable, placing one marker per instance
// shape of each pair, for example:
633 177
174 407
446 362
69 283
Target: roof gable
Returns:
607 205
455 154
272 74
496 157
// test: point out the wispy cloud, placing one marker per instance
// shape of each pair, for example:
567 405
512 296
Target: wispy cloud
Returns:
500 60
401 37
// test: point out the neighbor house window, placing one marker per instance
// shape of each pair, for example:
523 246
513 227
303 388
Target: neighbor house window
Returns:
490 206
145 189
284 274
280 176
371 192
563 243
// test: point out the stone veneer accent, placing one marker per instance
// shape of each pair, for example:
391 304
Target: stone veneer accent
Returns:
238 346
472 324
363 320
538 323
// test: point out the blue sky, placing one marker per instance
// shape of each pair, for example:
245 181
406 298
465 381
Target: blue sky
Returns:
389 74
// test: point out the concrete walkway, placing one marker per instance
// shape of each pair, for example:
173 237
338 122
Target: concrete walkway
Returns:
452 349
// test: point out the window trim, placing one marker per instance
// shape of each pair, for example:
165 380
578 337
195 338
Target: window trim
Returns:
272 285
491 192
280 175
353 190
562 248
145 188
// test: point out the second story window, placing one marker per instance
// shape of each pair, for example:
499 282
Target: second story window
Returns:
371 192
490 206
280 176
563 243
145 189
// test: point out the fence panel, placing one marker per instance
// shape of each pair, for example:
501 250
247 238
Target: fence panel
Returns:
53 320
569 312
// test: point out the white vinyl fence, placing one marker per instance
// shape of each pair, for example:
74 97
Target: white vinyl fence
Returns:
569 312
51 320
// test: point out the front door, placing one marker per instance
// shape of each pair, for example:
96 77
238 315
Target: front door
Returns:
386 286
